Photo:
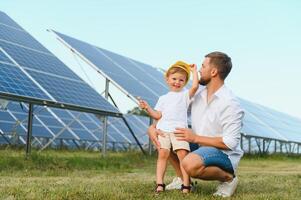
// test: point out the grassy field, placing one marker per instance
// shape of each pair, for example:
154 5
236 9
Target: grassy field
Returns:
130 175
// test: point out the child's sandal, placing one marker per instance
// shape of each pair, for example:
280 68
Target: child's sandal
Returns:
184 187
160 185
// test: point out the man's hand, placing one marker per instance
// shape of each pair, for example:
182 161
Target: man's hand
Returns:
185 134
153 135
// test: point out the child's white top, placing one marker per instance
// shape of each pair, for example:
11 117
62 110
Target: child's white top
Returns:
173 107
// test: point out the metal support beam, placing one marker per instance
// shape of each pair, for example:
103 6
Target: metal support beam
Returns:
105 122
281 144
66 127
129 127
133 134
257 140
150 145
241 142
249 145
29 130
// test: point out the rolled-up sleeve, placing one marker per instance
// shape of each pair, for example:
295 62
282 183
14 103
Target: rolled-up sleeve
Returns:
231 120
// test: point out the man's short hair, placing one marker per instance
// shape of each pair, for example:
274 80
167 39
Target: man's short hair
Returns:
222 62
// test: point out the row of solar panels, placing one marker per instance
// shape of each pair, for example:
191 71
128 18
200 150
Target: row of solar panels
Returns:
69 125
259 121
28 69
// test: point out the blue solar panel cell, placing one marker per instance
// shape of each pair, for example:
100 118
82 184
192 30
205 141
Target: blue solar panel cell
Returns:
91 126
4 58
4 19
5 116
157 77
40 131
82 118
64 135
72 91
20 37
84 135
118 130
4 139
38 61
14 81
259 131
139 124
75 124
7 127
50 121
141 76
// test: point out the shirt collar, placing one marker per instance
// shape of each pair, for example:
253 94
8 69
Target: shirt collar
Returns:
217 94
220 91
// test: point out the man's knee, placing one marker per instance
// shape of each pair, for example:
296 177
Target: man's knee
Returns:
193 165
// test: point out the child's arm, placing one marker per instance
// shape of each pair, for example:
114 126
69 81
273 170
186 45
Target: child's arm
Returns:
153 113
195 81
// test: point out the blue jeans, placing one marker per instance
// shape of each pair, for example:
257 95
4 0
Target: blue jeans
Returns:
212 156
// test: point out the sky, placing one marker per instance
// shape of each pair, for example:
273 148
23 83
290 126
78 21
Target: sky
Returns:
263 38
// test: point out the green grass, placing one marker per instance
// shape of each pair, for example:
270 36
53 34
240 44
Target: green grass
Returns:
130 175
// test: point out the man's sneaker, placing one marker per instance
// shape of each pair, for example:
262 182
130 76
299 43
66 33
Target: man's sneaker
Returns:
226 189
175 184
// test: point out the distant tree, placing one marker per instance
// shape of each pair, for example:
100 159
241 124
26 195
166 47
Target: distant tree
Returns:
137 111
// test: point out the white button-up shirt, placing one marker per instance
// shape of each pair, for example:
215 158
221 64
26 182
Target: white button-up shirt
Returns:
221 117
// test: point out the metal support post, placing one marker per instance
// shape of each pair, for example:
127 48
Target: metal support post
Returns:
29 130
105 123
241 142
249 144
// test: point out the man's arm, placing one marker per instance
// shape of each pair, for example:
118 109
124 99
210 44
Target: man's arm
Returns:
185 134
231 122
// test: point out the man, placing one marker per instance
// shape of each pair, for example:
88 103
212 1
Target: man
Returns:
216 119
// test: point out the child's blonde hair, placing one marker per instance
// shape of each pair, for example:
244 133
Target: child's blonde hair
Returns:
174 70
179 67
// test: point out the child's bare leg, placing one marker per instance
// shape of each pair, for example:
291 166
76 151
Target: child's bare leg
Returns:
186 179
174 161
163 155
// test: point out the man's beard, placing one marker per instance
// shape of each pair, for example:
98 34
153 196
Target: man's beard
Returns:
204 82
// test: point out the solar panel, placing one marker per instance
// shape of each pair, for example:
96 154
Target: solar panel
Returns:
7 21
4 58
48 122
138 79
14 81
139 124
28 69
261 121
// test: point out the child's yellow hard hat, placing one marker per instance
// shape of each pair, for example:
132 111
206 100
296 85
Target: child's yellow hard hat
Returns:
182 65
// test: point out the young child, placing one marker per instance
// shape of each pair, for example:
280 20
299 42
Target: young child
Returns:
170 112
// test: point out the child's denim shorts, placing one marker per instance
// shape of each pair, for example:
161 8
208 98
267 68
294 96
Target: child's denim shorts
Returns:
212 156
